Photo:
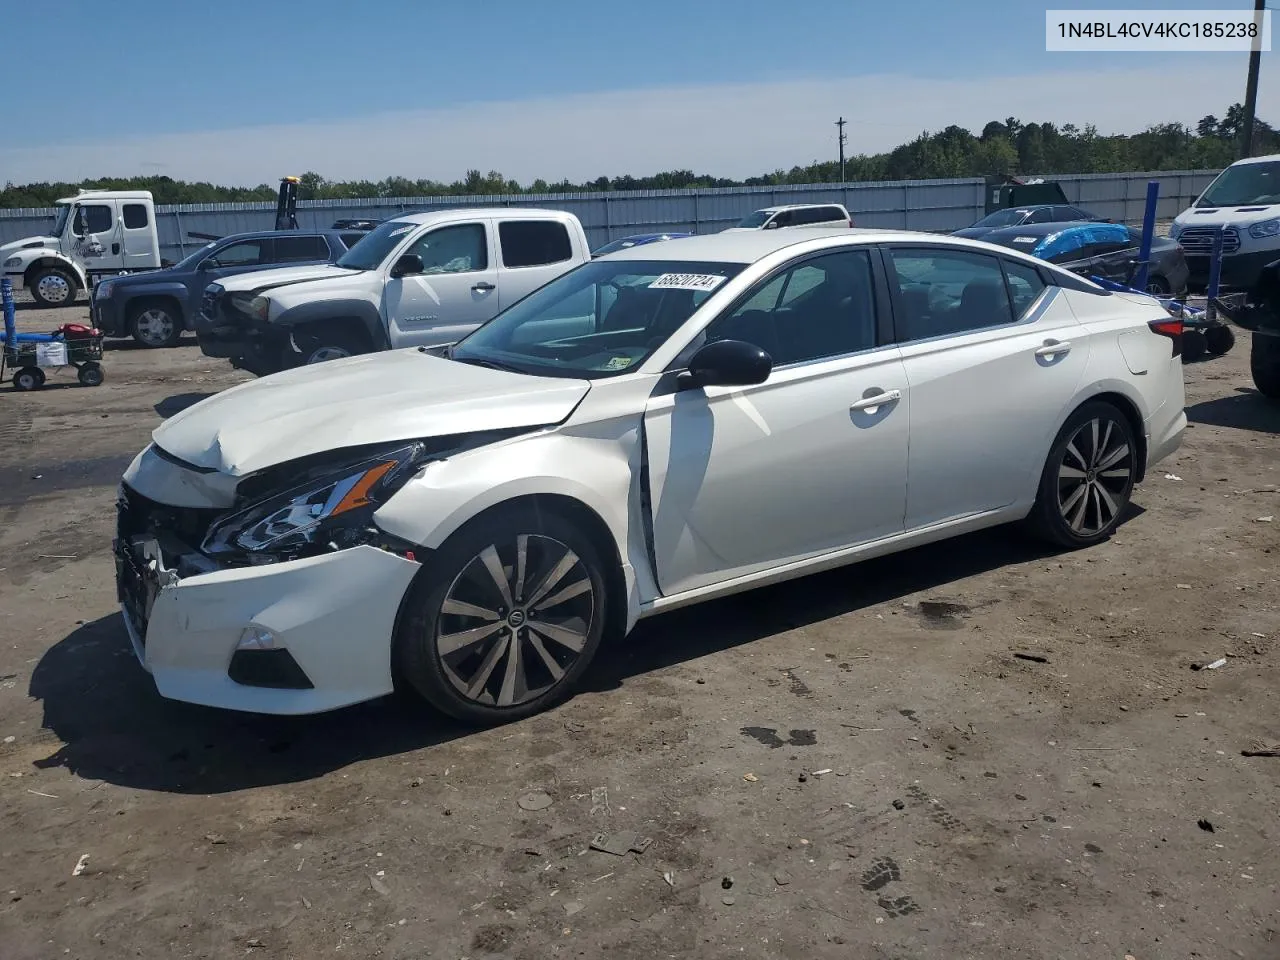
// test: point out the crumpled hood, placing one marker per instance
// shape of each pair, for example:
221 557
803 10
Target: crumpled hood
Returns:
8 249
374 398
266 279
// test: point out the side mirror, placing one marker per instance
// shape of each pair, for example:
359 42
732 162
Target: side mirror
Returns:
408 265
209 263
771 225
727 363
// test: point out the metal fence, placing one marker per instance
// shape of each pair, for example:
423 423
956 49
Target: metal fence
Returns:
935 205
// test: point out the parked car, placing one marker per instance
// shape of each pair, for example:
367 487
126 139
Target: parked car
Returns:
1243 202
622 243
1109 250
157 306
795 215
1021 216
755 407
421 279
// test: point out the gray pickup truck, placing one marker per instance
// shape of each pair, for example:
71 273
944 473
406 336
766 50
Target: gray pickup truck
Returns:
155 307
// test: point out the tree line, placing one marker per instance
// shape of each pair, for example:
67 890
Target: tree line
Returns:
1007 147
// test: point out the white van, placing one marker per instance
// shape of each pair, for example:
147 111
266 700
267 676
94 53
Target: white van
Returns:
1244 202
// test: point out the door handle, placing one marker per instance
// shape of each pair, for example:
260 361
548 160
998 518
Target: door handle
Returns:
876 400
484 286
1054 348
115 249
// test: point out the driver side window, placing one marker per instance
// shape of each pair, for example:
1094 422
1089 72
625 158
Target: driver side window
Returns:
247 253
462 248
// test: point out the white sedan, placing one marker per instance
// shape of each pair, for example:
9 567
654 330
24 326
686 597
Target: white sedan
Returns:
658 427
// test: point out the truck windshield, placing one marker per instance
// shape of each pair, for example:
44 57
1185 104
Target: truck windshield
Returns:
757 219
600 320
374 247
64 211
1244 184
191 259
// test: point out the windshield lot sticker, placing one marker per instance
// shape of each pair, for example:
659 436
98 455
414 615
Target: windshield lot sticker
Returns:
617 363
686 281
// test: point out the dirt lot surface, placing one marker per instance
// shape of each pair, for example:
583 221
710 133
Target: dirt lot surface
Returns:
858 764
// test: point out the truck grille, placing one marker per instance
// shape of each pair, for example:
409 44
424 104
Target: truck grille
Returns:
1199 240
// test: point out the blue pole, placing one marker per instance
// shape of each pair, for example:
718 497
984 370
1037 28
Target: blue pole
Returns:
1215 271
1148 231
10 323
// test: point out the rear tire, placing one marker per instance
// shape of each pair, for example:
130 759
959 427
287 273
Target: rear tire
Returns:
1264 364
1219 340
28 378
1158 286
1194 346
53 287
91 375
476 600
1087 479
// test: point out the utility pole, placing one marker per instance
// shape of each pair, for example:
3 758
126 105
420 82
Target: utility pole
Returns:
843 140
1251 85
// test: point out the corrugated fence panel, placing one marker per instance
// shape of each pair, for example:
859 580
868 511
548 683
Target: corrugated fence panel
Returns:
935 205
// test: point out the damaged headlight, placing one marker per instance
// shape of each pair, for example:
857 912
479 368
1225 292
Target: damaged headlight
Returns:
253 306
330 512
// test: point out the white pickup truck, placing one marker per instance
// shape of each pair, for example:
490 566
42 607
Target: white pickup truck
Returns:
423 279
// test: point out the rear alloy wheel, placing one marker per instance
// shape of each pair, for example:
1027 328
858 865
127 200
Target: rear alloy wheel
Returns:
53 287
1158 286
506 617
1088 478
1264 364
155 325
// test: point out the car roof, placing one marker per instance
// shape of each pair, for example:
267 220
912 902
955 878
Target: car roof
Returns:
1037 229
468 213
797 206
748 246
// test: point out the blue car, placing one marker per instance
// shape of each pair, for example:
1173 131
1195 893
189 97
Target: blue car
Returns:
155 307
613 246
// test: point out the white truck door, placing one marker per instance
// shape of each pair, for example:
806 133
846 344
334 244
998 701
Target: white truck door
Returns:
533 252
138 235
456 291
97 241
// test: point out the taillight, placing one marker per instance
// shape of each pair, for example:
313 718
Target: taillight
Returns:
1171 328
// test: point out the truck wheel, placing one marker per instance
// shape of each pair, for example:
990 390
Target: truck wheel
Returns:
28 378
1194 346
321 342
53 287
1264 364
155 325
1219 340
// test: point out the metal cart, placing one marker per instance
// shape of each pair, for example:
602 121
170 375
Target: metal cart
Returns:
27 355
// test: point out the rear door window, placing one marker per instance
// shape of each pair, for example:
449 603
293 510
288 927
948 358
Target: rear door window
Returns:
947 292
534 243
245 253
300 249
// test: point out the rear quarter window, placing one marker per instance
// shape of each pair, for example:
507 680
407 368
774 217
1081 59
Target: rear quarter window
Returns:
534 243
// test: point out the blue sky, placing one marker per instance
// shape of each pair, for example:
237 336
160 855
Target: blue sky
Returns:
233 90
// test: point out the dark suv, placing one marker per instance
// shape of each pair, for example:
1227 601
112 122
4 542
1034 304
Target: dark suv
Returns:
156 306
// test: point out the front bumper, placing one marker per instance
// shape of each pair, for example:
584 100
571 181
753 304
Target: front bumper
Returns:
335 615
1239 270
106 316
247 342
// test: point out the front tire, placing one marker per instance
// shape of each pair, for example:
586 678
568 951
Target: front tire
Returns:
28 379
504 618
155 325
91 375
1088 478
322 342
1264 364
53 287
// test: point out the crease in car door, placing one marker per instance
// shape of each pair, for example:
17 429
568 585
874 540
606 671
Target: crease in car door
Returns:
988 394
742 479
455 293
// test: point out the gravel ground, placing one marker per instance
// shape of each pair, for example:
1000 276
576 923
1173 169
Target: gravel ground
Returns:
974 749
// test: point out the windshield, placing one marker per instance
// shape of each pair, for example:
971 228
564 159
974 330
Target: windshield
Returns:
376 244
599 320
191 259
1002 218
757 219
1244 185
64 211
